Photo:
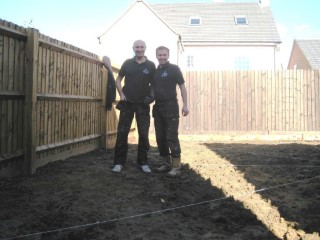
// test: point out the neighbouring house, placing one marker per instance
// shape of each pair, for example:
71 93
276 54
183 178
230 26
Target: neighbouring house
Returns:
201 36
305 54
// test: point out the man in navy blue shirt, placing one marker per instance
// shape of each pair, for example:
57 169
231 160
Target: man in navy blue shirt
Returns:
166 111
138 73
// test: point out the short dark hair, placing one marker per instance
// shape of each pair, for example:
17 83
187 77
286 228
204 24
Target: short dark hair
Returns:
162 48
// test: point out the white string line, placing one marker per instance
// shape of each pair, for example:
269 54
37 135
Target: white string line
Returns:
158 211
255 165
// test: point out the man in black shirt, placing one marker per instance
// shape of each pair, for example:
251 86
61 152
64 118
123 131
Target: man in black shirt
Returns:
138 73
166 111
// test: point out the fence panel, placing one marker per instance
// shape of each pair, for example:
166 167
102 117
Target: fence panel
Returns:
257 101
52 100
12 98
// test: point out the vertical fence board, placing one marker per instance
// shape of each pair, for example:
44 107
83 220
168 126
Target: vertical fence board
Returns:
295 97
4 103
291 101
227 101
242 100
269 99
317 98
313 100
214 97
2 60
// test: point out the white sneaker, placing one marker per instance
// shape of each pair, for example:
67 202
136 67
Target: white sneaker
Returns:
117 168
145 169
175 172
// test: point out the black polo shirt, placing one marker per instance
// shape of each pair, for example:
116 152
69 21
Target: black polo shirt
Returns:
137 79
165 82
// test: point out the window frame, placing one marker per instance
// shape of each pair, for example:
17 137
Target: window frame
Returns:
237 19
195 18
242 63
190 61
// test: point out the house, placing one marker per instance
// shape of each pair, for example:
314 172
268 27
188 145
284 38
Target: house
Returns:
305 54
200 36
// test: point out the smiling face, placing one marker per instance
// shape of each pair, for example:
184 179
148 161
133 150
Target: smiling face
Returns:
162 56
139 48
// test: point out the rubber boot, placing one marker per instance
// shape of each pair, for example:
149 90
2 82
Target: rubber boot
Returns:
165 166
176 166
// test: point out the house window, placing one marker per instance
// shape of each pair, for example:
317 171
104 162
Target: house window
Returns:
190 61
242 63
195 21
240 20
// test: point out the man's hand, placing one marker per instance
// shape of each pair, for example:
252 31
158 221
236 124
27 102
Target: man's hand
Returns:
185 111
148 100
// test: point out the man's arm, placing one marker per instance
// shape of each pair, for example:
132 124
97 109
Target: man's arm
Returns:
119 87
184 95
107 63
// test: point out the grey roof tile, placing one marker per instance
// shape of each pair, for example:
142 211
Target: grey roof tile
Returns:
218 22
311 50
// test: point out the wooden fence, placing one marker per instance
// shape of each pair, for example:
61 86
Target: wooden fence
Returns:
257 102
52 100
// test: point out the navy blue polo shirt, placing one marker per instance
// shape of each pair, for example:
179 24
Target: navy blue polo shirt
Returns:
165 82
137 79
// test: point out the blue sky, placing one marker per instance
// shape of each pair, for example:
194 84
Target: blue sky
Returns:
80 22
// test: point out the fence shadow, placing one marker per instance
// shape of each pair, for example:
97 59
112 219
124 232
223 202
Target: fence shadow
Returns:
288 175
80 198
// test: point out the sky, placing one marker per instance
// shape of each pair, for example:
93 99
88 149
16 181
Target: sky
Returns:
79 23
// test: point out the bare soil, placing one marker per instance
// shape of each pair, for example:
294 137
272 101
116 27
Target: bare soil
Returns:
226 191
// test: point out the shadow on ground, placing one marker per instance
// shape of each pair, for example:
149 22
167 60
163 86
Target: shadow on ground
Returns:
289 173
80 198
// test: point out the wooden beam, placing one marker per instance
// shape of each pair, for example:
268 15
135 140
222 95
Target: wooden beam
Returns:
31 100
4 95
51 45
65 97
9 32
66 142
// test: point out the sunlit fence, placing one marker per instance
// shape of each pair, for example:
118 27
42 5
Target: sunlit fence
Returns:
283 102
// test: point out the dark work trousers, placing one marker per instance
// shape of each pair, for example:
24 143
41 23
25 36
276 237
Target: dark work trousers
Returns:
127 113
166 123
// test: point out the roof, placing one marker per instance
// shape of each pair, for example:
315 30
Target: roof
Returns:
218 22
311 50
128 10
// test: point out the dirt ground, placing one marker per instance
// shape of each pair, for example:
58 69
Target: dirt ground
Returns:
227 191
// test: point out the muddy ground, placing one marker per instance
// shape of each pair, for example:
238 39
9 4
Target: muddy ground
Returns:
227 191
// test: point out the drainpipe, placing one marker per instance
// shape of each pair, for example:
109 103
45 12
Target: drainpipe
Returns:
179 45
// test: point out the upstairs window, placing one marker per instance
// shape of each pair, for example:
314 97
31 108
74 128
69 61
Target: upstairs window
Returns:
190 61
240 20
195 21
242 63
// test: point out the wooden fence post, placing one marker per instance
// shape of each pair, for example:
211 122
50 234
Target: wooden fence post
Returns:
104 93
32 46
